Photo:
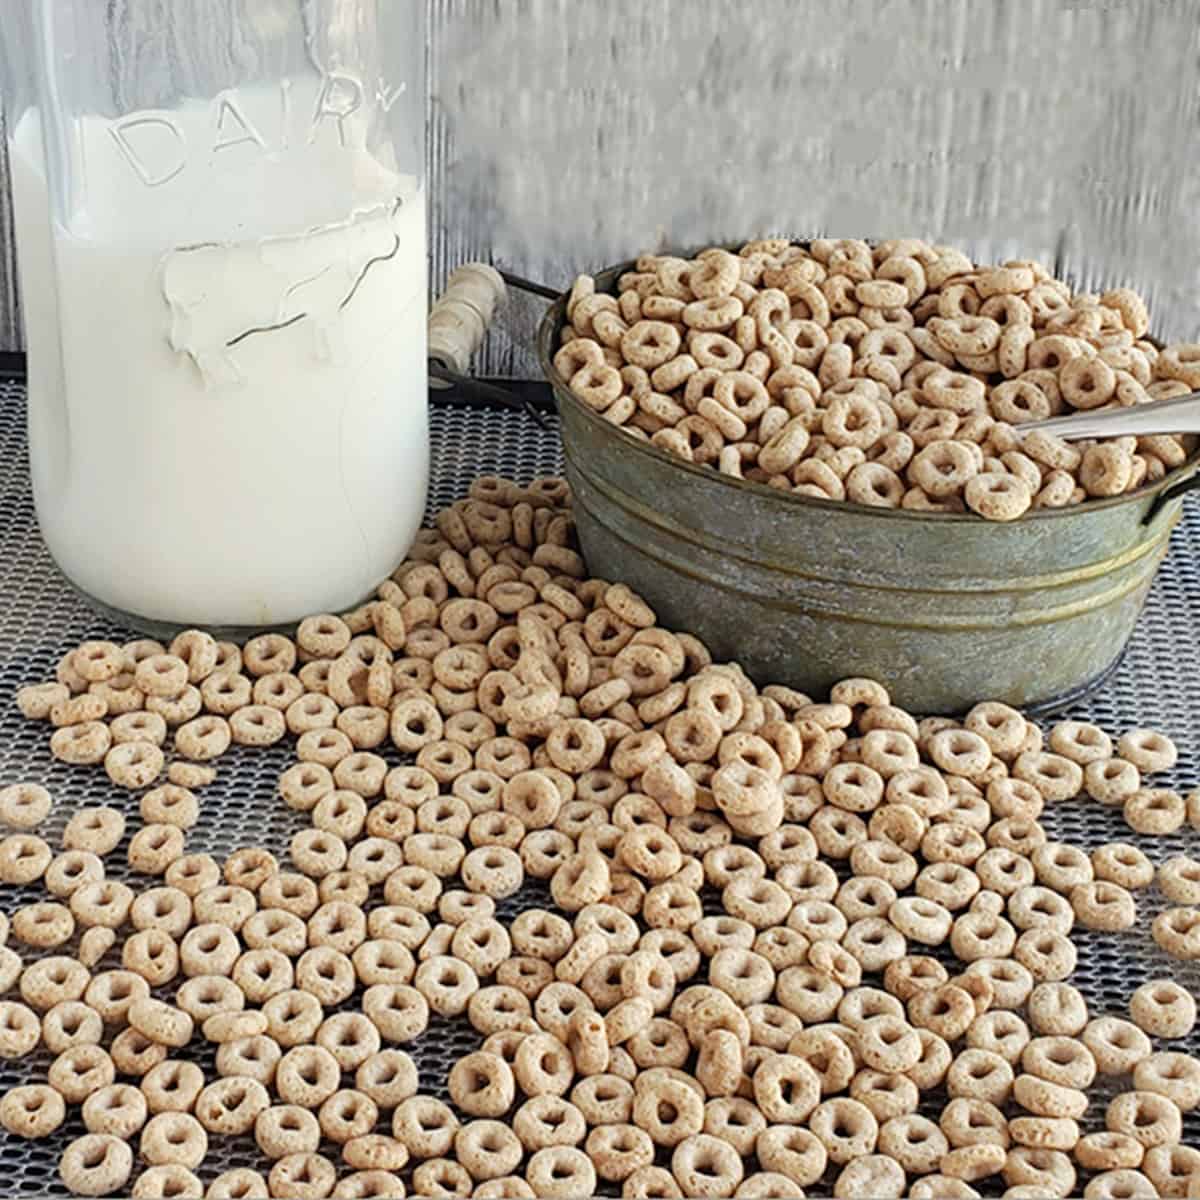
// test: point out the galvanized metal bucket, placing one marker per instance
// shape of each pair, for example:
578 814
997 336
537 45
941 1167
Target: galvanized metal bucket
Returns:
945 609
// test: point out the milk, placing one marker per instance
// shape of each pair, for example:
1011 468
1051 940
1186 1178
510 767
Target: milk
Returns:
229 428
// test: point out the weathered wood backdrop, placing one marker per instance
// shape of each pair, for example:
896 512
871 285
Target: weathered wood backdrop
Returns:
566 134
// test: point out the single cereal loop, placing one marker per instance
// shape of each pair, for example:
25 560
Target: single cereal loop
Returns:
1147 750
241 1183
36 701
705 1166
85 743
1149 1118
32 1111
286 1129
170 805
173 1138
24 805
43 925
1123 864
1108 1151
134 1054
160 1022
111 994
1177 931
49 981
154 848
167 1179
1179 880
304 1176
1163 1009
162 675
96 1165
560 1171
190 775
258 725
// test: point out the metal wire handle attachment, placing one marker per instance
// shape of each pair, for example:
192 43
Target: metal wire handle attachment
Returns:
458 323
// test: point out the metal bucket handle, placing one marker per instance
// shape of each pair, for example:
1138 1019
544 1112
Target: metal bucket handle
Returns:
458 322
1179 488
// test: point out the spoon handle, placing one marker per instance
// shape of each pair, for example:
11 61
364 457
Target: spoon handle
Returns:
1178 415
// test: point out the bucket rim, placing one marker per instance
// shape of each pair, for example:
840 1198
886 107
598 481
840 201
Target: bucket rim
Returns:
555 317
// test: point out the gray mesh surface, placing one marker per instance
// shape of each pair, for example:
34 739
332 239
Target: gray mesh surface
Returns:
1158 684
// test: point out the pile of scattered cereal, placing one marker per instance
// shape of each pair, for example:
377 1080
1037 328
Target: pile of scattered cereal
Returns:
893 376
885 915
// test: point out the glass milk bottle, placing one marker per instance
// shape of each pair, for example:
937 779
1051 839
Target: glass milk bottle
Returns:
220 217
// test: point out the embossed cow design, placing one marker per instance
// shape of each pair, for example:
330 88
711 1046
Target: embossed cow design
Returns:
221 295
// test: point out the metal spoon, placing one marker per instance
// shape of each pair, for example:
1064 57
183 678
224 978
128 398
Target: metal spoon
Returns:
1178 415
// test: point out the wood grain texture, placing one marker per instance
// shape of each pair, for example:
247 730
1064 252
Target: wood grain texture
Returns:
564 136
10 316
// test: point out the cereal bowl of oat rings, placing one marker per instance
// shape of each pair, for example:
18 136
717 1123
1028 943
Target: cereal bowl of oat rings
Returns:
824 459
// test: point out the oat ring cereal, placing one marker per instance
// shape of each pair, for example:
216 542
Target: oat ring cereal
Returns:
1149 1118
1147 750
96 1165
173 1138
1163 1009
768 925
916 336
240 1183
32 1111
160 1022
561 1171
155 847
302 1175
24 805
170 805
706 1166
80 1070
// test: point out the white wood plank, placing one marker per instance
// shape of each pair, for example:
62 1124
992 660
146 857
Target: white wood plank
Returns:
10 317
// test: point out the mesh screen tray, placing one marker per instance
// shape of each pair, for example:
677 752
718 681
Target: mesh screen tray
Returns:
1157 684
